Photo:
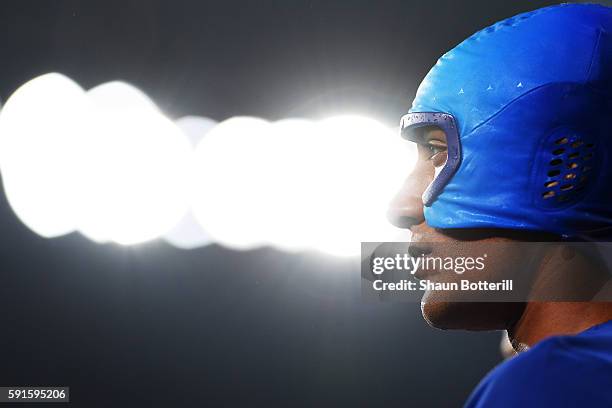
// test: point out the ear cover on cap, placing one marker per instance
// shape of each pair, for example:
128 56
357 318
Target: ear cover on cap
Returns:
532 98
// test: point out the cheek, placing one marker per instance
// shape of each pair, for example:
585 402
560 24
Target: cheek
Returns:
507 260
501 260
423 173
439 160
414 185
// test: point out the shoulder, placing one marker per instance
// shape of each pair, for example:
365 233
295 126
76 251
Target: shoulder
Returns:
566 370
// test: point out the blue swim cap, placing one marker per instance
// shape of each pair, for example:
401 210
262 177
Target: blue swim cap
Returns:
530 100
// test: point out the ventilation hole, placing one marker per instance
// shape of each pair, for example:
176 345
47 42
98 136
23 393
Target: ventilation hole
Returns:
548 195
583 179
586 169
556 162
589 145
561 141
574 155
566 187
553 173
551 184
580 186
558 151
572 165
577 144
570 176
588 156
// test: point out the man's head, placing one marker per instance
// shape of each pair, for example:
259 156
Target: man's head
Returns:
514 144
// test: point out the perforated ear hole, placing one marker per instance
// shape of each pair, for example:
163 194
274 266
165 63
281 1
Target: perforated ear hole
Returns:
567 171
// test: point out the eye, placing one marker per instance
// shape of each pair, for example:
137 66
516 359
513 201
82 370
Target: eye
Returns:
436 151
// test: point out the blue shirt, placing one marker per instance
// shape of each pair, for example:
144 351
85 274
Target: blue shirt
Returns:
562 371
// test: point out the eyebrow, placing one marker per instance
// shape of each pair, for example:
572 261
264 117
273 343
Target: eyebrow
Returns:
434 138
420 135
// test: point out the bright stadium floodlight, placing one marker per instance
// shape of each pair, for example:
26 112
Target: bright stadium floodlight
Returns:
119 95
361 165
135 183
230 199
40 134
299 185
291 185
109 164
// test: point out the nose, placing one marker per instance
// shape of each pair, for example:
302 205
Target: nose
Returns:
404 212
406 208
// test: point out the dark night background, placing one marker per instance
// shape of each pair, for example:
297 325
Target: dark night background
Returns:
153 325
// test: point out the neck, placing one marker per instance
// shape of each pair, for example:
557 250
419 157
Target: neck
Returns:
545 319
571 276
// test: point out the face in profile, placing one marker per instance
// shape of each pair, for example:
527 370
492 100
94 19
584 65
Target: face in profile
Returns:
505 150
446 309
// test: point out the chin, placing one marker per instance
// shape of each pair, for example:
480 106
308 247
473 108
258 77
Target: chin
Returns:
452 315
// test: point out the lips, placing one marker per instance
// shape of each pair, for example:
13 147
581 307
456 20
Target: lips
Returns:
418 249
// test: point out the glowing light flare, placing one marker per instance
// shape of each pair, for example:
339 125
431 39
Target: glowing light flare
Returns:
362 165
109 164
137 161
40 133
291 185
119 95
300 185
231 201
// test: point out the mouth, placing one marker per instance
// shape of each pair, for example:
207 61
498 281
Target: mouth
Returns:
418 249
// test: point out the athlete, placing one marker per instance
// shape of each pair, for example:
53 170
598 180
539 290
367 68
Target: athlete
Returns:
514 137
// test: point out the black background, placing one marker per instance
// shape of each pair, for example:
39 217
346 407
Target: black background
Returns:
153 325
